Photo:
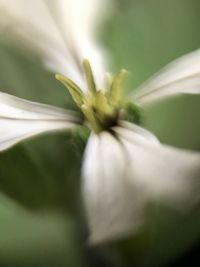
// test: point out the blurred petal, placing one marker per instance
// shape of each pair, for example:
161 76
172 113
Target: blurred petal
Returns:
162 172
122 174
182 76
113 206
21 119
61 31
82 19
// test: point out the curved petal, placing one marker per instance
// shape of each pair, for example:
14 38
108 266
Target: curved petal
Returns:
21 119
122 173
113 206
163 172
182 76
61 31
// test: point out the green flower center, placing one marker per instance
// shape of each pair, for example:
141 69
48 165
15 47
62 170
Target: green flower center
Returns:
102 108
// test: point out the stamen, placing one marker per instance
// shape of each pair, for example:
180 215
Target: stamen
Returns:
89 76
102 104
108 80
91 118
74 90
101 108
116 88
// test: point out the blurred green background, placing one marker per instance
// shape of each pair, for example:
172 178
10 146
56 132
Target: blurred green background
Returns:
42 220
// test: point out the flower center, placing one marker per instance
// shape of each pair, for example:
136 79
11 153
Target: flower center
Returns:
102 108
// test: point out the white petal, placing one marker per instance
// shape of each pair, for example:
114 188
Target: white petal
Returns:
138 131
170 174
61 31
21 119
182 76
81 19
113 205
122 175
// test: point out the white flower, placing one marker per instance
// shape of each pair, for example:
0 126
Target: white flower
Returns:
124 166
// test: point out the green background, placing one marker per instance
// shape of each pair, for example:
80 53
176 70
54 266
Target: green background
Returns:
41 215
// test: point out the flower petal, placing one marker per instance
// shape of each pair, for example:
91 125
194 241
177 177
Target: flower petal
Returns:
113 206
21 119
163 172
61 31
182 76
123 173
